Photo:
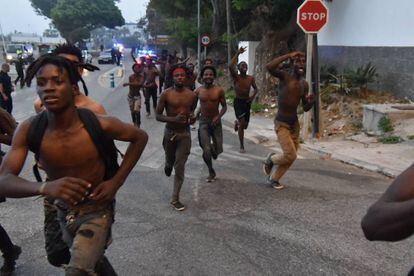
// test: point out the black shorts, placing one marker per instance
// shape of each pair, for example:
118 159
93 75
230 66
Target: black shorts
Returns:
242 109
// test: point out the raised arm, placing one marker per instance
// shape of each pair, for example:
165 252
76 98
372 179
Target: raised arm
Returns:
273 66
137 138
391 217
233 64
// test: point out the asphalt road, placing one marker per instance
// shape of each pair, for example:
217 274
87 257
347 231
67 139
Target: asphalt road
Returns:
234 226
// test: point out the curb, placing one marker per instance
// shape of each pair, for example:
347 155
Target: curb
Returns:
352 161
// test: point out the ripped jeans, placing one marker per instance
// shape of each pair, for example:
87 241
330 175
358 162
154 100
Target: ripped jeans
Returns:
86 230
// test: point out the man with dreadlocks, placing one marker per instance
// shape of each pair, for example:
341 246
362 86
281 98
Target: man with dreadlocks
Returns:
243 101
80 177
179 103
73 53
56 249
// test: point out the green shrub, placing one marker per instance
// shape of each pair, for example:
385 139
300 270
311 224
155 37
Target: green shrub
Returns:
385 125
258 107
410 137
390 139
328 74
230 95
360 77
220 73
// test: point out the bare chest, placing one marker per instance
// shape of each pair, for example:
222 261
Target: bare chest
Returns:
69 154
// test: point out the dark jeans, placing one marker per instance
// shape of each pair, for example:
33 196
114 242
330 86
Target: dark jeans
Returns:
148 94
7 105
211 140
6 245
161 85
20 77
177 146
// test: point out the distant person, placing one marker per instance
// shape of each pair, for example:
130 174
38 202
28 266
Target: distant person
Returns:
113 55
150 85
191 77
243 101
294 90
83 174
19 64
101 48
6 88
208 62
179 104
163 63
136 81
10 251
210 132
390 217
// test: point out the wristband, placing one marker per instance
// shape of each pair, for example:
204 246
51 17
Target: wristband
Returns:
42 188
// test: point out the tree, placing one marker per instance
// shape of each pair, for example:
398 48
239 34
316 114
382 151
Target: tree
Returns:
76 18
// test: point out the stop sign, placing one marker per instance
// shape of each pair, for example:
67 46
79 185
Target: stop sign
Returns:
312 16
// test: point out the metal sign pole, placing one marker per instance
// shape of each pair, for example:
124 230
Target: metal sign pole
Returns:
198 39
306 115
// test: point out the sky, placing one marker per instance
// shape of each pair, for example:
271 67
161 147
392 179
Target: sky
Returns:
20 15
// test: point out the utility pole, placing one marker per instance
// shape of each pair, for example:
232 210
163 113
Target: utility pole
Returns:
228 31
198 37
2 38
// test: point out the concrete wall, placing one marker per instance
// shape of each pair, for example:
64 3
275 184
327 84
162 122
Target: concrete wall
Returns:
369 23
376 31
394 65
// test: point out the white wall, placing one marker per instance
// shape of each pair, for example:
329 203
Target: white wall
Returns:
250 55
369 23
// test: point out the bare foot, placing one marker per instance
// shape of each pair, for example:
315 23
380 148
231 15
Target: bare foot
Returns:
236 125
242 151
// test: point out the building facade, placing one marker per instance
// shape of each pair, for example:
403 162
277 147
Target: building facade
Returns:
376 31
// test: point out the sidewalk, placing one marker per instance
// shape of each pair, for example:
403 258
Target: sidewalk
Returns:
360 151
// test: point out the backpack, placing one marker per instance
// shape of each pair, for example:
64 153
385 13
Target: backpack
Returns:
105 145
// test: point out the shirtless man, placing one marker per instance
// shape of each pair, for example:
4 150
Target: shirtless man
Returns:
56 249
136 81
210 132
73 53
150 86
390 218
179 103
191 77
10 251
80 180
243 101
294 90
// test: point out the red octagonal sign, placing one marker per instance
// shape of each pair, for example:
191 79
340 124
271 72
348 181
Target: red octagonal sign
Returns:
312 16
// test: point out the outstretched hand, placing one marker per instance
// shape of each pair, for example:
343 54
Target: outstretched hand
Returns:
310 97
242 50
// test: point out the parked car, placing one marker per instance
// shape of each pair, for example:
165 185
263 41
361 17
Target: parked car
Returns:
105 57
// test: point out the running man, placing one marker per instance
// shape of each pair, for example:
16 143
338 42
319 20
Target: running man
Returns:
150 86
82 179
136 81
10 251
243 101
179 103
210 133
294 90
